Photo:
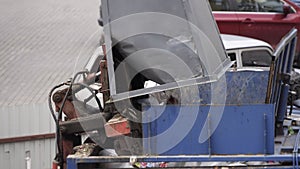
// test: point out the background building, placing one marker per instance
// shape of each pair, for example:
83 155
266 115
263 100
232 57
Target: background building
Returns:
42 43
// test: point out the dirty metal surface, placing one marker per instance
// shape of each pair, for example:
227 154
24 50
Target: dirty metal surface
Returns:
244 87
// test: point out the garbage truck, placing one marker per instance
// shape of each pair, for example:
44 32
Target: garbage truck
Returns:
160 92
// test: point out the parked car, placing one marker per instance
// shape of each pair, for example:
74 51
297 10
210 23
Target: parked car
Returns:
267 20
247 52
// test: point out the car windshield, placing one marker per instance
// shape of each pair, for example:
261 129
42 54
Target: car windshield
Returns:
247 5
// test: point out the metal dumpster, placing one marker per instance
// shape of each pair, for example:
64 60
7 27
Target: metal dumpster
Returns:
243 125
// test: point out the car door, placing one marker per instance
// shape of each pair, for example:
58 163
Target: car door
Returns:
225 16
265 20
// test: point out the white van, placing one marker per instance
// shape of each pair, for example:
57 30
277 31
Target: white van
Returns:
247 52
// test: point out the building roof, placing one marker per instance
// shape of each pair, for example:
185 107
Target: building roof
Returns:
41 44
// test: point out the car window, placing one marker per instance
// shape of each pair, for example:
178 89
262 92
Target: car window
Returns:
247 5
232 58
260 5
297 2
220 5
258 58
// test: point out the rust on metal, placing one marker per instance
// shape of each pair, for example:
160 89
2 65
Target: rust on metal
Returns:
104 80
27 138
117 127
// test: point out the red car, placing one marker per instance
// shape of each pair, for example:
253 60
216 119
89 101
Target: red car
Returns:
268 20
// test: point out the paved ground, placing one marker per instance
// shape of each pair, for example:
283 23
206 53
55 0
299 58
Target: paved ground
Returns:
40 41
